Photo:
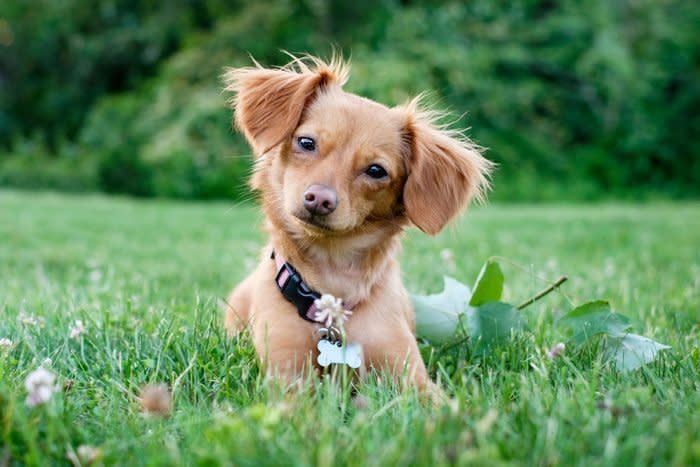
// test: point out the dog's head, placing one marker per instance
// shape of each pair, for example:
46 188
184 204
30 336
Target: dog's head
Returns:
333 163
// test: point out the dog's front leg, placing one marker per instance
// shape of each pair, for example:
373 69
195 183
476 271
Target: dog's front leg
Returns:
237 308
402 358
285 346
389 346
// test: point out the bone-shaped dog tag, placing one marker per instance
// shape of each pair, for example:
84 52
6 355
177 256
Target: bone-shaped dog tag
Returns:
350 355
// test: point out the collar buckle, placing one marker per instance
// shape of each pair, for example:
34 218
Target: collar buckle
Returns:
295 290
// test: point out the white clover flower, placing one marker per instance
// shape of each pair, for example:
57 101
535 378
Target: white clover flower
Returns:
6 343
95 275
556 350
40 385
327 301
84 455
330 310
77 329
27 319
447 256
39 377
88 454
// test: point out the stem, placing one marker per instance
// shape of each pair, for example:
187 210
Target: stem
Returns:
447 347
554 285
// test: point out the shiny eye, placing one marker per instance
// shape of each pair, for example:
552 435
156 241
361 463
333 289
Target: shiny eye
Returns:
306 143
376 171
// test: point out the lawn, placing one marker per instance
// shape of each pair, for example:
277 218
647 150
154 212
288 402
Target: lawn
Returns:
145 278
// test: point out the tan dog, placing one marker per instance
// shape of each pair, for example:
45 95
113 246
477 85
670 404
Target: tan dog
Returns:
340 176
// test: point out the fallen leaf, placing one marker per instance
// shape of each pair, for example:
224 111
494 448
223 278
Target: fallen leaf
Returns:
631 351
438 315
591 319
492 324
489 284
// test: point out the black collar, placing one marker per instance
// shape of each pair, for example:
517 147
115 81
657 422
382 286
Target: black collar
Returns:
295 290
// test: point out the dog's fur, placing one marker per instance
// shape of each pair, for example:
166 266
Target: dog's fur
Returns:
351 252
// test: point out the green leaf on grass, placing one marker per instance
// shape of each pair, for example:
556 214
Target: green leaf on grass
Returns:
492 323
438 315
631 351
489 284
593 318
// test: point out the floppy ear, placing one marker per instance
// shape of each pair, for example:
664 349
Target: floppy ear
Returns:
268 103
445 171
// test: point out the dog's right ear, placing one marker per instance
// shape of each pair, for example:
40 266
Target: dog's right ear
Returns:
268 103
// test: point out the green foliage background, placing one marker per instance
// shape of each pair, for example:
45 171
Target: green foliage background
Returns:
574 99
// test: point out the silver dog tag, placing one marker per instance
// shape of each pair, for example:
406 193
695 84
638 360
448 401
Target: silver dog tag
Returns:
331 334
329 352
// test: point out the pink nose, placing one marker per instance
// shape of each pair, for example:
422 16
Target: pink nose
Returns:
320 200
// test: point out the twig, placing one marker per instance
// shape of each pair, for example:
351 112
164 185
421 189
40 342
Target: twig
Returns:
447 347
543 292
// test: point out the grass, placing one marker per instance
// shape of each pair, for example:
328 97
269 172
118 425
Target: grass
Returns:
145 278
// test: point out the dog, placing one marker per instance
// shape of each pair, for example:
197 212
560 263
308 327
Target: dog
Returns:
340 178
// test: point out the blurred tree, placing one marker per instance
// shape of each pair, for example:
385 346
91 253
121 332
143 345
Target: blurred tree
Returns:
575 99
58 57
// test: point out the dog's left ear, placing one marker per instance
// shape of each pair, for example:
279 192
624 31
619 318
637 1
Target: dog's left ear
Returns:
445 171
268 103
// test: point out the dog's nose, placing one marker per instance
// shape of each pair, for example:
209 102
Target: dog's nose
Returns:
320 200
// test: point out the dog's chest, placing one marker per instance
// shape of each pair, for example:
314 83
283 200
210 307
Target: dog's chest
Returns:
341 275
351 286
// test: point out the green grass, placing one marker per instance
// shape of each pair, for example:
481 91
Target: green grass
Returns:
146 277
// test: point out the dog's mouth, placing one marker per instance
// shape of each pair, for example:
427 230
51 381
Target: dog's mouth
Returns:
318 225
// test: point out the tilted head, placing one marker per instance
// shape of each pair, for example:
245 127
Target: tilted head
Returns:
331 163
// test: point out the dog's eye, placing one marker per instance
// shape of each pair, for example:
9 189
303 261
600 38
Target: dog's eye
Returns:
376 171
306 143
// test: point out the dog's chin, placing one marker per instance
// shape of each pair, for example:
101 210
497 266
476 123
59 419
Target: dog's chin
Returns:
318 226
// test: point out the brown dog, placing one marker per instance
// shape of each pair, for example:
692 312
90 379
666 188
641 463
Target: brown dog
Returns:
340 176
